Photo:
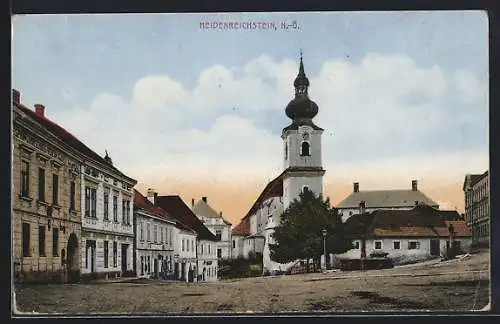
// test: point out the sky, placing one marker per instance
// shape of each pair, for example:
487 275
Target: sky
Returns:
197 111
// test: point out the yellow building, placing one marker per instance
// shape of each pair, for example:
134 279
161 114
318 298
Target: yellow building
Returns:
46 218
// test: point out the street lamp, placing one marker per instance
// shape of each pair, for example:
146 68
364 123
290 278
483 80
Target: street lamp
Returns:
324 232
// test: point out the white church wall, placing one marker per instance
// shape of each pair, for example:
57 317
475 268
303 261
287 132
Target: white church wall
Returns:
293 186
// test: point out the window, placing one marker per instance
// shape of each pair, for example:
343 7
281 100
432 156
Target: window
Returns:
187 243
155 237
413 245
93 203
142 264
201 249
396 245
26 240
141 231
72 195
55 242
234 244
115 253
286 151
305 188
129 213
209 249
115 209
356 245
170 237
90 202
161 234
41 240
378 245
55 189
183 245
304 149
219 253
106 254
41 184
124 211
218 234
25 176
148 232
192 245
106 204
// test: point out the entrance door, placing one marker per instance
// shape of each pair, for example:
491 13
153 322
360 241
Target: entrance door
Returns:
155 268
435 247
72 259
124 257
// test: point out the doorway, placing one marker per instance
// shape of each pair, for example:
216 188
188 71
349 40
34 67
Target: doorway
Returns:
435 249
72 259
90 255
124 258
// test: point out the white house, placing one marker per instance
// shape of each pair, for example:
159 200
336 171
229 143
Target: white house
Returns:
202 246
107 199
185 255
154 239
302 164
476 188
407 235
398 199
219 226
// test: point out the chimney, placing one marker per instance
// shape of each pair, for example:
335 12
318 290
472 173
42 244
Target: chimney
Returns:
16 96
362 207
204 199
220 213
152 195
414 186
356 187
40 110
192 202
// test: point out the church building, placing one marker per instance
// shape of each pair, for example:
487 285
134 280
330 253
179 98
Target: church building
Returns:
302 169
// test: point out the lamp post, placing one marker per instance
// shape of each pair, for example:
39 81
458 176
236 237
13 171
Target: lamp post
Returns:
324 232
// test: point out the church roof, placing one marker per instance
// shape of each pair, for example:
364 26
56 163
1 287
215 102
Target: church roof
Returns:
243 228
386 198
69 139
175 207
273 189
421 221
202 208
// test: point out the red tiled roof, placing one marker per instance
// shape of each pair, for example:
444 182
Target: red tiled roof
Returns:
68 138
417 222
273 189
143 203
243 228
177 209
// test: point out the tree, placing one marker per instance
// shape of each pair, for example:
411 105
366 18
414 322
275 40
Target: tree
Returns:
298 235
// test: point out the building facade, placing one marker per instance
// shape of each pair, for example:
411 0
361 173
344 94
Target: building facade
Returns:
216 223
407 236
155 234
107 199
397 199
198 245
303 169
477 206
46 218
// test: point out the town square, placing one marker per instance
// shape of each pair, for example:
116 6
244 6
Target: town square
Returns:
304 163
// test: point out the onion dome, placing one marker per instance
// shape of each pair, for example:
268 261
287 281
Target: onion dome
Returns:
301 107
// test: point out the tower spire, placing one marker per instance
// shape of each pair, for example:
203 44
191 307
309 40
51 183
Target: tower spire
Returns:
301 82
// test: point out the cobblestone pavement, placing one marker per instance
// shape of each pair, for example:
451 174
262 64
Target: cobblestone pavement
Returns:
458 285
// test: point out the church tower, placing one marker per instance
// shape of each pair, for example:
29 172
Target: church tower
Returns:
301 144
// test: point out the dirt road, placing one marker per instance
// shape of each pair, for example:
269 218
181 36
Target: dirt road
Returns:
458 285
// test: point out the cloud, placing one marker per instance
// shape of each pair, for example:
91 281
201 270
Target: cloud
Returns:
384 116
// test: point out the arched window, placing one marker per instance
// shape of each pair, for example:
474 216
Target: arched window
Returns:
305 149
286 151
305 188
